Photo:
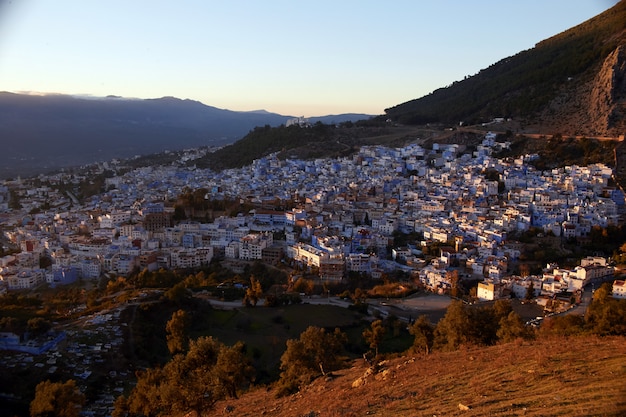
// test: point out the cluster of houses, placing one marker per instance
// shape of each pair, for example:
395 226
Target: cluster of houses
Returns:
96 343
345 214
553 281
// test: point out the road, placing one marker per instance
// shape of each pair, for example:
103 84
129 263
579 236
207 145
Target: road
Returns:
407 309
581 308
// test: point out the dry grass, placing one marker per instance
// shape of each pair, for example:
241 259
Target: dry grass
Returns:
555 377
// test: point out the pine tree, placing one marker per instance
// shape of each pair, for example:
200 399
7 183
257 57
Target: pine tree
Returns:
424 333
375 334
57 399
314 353
253 293
176 329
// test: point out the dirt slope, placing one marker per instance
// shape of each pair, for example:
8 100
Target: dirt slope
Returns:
557 377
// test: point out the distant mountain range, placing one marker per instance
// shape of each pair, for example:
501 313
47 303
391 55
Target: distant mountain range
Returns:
573 83
40 133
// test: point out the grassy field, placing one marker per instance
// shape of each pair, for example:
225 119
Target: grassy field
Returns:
264 330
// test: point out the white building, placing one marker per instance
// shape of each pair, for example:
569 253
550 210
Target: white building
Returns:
619 289
24 280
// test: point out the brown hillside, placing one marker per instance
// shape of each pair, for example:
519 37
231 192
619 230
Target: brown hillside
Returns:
591 105
556 377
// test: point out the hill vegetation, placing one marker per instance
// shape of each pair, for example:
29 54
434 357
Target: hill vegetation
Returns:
318 141
555 376
310 359
525 85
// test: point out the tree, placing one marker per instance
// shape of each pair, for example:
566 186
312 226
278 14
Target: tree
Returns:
453 278
121 407
191 382
606 315
530 292
374 335
524 270
253 292
567 325
453 329
176 329
502 308
424 333
57 399
177 293
304 286
359 296
483 325
314 353
603 293
146 399
38 326
512 327
14 200
9 324
233 369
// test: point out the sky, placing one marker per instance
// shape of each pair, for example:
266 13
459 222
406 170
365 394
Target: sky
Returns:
293 57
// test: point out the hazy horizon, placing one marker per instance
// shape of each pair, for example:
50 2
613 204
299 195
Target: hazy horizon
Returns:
283 57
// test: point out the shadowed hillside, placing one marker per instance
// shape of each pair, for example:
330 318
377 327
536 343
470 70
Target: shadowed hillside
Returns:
318 141
572 83
45 133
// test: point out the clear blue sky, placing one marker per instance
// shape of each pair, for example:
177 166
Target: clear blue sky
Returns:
293 57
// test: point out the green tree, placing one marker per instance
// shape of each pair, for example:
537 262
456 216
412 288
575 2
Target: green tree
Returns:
606 315
9 324
57 399
453 278
121 408
176 332
568 325
603 293
233 369
38 326
453 329
512 327
177 293
304 286
483 325
375 334
424 333
191 382
314 353
502 308
146 398
253 293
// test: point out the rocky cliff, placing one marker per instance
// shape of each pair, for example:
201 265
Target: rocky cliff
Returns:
593 105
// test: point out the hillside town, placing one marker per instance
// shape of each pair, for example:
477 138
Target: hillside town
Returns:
342 219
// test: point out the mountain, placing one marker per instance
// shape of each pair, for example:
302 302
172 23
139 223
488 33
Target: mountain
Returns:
40 133
573 83
317 141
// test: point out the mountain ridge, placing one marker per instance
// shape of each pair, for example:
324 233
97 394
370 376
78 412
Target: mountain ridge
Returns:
40 133
547 87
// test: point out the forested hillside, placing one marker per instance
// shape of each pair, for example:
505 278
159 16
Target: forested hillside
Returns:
529 83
